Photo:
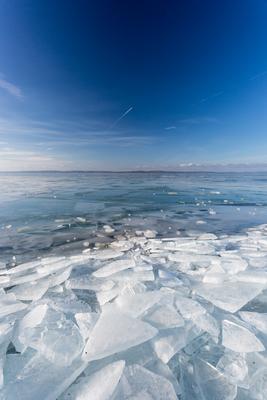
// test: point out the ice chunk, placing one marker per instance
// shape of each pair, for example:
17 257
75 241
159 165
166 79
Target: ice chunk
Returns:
6 329
259 320
165 317
108 229
122 245
30 376
30 291
159 368
106 295
169 343
212 383
4 281
233 264
98 386
150 234
115 332
10 305
86 282
131 275
230 296
23 267
200 247
139 383
233 366
136 305
191 309
188 307
252 276
51 267
239 339
113 267
258 385
215 274
51 334
207 236
86 322
208 324
105 254
58 277
66 302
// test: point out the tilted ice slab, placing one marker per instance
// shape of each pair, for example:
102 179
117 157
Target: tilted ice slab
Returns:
115 332
238 338
98 386
140 383
29 376
143 318
113 267
10 305
229 296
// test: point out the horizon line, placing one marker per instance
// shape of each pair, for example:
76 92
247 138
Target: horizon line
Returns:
137 171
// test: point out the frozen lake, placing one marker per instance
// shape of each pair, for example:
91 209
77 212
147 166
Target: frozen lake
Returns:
43 213
133 286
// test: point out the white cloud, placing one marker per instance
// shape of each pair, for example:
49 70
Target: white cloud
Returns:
22 160
10 88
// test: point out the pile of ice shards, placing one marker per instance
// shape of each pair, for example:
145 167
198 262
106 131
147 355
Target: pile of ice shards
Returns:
141 319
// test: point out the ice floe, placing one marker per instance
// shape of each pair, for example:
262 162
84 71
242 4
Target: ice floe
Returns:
138 318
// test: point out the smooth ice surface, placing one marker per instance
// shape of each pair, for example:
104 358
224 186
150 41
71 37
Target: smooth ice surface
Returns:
239 339
10 305
113 267
229 296
98 386
115 332
30 376
137 304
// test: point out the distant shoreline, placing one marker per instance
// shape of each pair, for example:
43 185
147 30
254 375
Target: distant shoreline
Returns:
136 171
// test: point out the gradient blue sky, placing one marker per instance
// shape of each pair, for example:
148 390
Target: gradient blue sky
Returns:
192 75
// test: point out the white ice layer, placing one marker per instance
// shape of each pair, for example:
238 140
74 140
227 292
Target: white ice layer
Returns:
141 319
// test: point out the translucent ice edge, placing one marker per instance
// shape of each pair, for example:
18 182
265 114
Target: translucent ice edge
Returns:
142 318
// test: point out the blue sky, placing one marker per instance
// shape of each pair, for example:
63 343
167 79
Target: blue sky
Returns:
117 85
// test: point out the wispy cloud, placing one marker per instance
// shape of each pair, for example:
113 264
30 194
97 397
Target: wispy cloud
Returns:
14 159
68 134
10 88
101 140
169 128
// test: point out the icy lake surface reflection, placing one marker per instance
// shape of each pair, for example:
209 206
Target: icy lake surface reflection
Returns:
133 286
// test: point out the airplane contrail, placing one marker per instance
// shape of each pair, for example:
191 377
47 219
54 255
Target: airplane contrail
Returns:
121 117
